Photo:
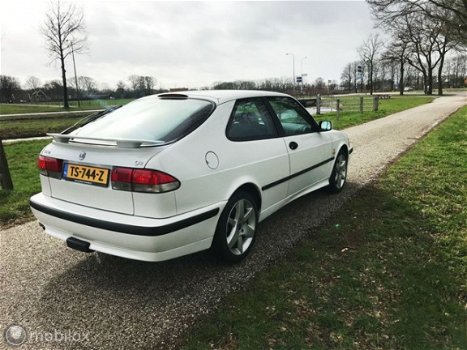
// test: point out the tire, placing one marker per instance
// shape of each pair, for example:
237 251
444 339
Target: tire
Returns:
236 229
339 172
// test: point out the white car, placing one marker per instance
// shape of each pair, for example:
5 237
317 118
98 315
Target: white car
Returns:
177 173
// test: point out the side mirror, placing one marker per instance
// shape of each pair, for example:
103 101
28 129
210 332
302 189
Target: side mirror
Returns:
325 125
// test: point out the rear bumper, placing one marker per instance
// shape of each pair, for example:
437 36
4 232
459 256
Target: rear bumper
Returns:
128 236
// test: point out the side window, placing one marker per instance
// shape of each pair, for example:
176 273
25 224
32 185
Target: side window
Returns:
250 121
290 116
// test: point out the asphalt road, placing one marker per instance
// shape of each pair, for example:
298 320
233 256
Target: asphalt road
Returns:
104 302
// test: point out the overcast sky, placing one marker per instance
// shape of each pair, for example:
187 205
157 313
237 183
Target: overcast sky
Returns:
191 44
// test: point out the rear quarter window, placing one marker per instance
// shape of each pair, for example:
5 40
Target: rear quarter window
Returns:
250 121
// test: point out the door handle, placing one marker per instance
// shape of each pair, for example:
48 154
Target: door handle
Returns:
293 145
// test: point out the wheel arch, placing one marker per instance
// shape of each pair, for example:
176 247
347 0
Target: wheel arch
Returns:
343 147
253 190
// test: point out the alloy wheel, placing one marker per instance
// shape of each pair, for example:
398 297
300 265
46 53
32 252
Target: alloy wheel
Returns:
341 171
241 226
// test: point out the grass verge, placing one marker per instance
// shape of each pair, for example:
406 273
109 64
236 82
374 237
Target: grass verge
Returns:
22 163
393 105
40 107
12 129
387 272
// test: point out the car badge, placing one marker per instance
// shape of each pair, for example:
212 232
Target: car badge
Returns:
82 155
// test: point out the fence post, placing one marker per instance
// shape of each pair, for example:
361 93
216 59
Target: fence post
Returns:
338 107
5 177
375 103
318 104
361 104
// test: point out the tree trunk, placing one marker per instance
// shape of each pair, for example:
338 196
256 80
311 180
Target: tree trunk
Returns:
370 79
440 69
401 78
430 82
65 89
425 84
440 76
5 177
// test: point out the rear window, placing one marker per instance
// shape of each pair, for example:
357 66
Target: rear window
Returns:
154 119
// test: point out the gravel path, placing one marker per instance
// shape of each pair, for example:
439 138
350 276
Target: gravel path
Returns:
107 302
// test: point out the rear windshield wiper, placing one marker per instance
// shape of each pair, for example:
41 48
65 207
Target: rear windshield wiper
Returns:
89 119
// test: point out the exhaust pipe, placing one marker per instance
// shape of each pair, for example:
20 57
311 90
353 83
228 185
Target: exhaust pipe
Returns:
78 244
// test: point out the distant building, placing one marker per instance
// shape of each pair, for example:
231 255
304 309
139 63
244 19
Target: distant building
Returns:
38 96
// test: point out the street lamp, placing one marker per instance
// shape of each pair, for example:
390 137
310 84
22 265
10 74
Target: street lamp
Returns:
76 77
301 71
293 67
304 58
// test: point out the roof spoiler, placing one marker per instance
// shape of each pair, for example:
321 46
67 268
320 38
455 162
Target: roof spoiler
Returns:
119 143
169 95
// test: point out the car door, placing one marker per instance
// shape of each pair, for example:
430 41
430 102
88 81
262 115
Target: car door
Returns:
258 149
310 151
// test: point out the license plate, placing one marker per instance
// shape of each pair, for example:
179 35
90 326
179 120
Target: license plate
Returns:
86 174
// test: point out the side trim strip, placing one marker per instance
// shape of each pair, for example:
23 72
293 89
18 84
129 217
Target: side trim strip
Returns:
124 228
301 172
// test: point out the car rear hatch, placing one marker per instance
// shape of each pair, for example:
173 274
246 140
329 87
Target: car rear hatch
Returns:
85 171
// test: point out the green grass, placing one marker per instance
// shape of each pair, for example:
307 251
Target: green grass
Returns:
393 105
11 129
388 271
25 176
94 104
6 108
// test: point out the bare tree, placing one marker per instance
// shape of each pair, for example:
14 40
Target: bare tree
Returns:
141 85
121 89
134 82
9 86
369 52
346 76
427 46
33 83
453 13
63 30
396 52
423 29
319 83
459 70
148 84
88 84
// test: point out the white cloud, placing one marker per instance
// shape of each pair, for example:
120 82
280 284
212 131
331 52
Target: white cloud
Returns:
192 44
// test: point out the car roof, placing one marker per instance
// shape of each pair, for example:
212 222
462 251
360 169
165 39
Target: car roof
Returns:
221 96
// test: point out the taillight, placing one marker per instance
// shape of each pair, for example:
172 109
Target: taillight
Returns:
50 166
143 180
121 178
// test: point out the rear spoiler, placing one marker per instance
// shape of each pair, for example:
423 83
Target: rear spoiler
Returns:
120 143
